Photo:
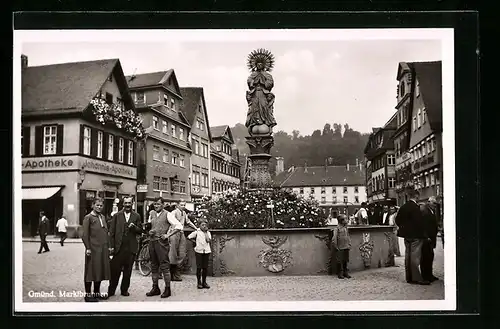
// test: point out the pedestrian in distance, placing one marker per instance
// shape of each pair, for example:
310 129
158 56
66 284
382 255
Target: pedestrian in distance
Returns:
62 225
202 238
362 215
95 239
123 231
43 230
159 248
412 229
341 243
431 227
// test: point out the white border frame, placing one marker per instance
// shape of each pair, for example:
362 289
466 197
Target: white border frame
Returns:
446 36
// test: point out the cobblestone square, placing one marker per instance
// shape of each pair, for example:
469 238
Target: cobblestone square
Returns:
61 270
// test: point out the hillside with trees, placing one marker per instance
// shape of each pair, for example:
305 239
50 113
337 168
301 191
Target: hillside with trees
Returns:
338 144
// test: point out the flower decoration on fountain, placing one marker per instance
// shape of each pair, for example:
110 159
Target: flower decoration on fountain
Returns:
126 120
249 209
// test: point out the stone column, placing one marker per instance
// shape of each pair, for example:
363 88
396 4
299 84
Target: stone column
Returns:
260 148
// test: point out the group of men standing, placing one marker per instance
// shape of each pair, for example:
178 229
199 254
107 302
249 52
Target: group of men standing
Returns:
111 248
418 226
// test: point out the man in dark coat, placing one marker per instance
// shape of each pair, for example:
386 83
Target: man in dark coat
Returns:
412 229
124 227
95 238
429 215
43 230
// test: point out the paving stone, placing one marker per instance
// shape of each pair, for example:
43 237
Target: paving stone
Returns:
61 270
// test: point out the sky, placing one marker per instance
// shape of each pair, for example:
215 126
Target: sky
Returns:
315 82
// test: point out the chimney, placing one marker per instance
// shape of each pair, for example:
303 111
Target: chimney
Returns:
348 167
305 166
280 165
24 61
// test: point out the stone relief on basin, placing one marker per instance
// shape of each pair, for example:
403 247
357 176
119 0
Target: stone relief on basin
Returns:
275 260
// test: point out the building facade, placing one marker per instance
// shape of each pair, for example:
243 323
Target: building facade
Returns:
426 151
157 98
380 164
337 189
195 110
225 164
68 156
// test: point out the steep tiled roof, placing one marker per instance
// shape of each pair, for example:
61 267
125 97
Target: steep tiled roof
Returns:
190 100
148 79
218 131
430 84
64 87
321 176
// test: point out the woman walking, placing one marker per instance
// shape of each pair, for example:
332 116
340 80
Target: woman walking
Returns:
95 239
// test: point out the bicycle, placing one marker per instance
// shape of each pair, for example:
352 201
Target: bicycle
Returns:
143 258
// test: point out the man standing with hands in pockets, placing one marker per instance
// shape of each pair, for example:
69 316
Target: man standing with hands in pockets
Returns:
124 227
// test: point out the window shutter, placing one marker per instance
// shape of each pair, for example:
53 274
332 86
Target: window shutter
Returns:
125 151
81 139
93 142
115 148
38 140
60 139
105 141
133 153
26 141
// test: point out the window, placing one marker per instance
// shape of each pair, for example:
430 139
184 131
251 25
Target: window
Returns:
121 149
356 199
156 182
301 190
182 160
130 158
391 159
173 131
155 123
345 189
205 180
424 115
197 178
334 199
159 97
50 140
323 199
99 144
109 98
417 88
164 127
334 190
182 187
199 124
140 97
356 189
414 123
111 142
205 150
196 147
419 119
433 144
346 199
392 182
323 190
181 134
199 108
172 104
22 145
424 149
156 153
312 190
433 179
427 180
86 141
175 158
402 88
429 146
165 155
164 184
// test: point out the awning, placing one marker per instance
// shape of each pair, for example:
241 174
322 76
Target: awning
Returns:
39 193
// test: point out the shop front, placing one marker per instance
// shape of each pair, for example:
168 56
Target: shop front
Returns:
66 185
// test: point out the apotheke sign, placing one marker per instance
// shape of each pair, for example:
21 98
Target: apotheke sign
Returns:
75 163
50 163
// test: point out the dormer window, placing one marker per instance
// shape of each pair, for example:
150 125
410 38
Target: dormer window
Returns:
402 88
109 98
417 88
110 78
